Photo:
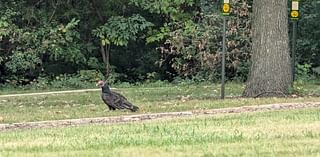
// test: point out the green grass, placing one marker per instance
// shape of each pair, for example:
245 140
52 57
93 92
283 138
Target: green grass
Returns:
310 88
278 133
150 100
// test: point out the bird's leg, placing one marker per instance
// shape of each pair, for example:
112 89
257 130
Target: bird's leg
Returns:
111 108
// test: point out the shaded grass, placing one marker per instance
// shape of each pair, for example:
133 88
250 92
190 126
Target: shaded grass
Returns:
150 100
278 133
310 88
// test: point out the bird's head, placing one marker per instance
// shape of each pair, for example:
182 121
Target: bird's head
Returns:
100 84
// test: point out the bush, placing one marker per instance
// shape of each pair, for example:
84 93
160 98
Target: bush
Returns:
303 72
83 79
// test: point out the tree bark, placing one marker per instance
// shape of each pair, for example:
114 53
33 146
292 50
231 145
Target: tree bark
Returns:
105 52
96 9
270 72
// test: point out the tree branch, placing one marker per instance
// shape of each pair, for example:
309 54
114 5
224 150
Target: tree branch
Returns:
54 11
96 9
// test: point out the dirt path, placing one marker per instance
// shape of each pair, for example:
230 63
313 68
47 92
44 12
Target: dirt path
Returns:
144 117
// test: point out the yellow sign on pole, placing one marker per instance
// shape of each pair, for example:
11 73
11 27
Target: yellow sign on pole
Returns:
226 8
294 14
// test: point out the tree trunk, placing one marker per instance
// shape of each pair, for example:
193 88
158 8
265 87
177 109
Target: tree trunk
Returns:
105 52
96 9
270 73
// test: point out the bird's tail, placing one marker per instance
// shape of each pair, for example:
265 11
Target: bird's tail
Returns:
134 108
129 106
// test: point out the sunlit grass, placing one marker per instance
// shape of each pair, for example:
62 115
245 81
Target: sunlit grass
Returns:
150 100
281 133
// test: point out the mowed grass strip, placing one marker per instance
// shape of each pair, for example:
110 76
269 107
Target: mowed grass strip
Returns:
277 133
150 100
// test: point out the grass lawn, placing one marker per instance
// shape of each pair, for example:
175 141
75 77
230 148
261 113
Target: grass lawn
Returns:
149 99
278 133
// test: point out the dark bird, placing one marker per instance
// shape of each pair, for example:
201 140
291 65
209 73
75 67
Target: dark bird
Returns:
115 100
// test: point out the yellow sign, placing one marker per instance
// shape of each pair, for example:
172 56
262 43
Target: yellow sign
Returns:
294 14
226 8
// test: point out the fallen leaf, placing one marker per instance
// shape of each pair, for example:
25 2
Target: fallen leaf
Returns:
41 102
93 109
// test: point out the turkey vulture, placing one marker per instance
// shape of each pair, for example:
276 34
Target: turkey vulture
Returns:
113 99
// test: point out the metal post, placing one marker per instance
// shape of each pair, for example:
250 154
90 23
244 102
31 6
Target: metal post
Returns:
223 59
293 49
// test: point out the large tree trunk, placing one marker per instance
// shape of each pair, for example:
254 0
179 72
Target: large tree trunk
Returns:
270 73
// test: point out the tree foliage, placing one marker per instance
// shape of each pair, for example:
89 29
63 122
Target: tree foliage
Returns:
120 30
164 39
308 45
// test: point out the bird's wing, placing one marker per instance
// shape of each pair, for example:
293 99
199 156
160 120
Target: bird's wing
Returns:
124 103
108 100
119 95
118 101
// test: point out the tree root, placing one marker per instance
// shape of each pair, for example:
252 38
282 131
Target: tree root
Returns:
267 92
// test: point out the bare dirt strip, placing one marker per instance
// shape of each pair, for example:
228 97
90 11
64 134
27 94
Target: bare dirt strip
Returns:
154 116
